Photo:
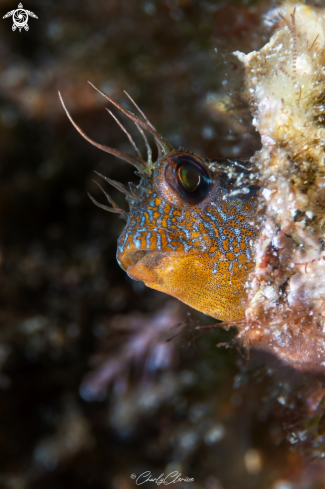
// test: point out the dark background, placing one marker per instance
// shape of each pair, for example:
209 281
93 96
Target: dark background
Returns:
90 392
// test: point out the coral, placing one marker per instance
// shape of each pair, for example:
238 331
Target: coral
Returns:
285 88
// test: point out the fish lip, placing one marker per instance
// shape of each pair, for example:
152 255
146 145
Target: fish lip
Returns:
130 258
135 256
141 266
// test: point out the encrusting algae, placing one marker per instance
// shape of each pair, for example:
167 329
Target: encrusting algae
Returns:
242 241
285 88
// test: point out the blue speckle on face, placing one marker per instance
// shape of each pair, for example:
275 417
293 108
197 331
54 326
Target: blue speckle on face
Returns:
215 268
168 228
148 237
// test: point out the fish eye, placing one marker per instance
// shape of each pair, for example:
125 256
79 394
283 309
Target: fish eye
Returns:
188 176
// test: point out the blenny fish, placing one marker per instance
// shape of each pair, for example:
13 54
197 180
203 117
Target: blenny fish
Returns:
191 223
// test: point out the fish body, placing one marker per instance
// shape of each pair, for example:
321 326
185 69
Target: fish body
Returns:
191 224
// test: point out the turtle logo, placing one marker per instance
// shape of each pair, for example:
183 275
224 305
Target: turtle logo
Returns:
20 18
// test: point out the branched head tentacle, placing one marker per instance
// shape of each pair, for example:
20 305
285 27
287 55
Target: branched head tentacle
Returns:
115 209
130 138
145 139
119 186
141 112
149 152
140 165
161 142
109 209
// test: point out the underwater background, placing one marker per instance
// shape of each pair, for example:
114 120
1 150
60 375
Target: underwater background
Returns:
91 391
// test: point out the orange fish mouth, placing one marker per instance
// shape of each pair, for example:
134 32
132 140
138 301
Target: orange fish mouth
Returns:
151 255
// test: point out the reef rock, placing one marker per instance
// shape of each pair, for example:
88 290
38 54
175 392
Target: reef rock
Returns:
285 88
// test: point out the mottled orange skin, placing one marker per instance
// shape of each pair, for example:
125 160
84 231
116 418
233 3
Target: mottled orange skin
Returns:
200 253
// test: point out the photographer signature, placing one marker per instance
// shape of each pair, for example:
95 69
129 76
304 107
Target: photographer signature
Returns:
163 479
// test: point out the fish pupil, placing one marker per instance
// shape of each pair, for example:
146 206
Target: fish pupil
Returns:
189 177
